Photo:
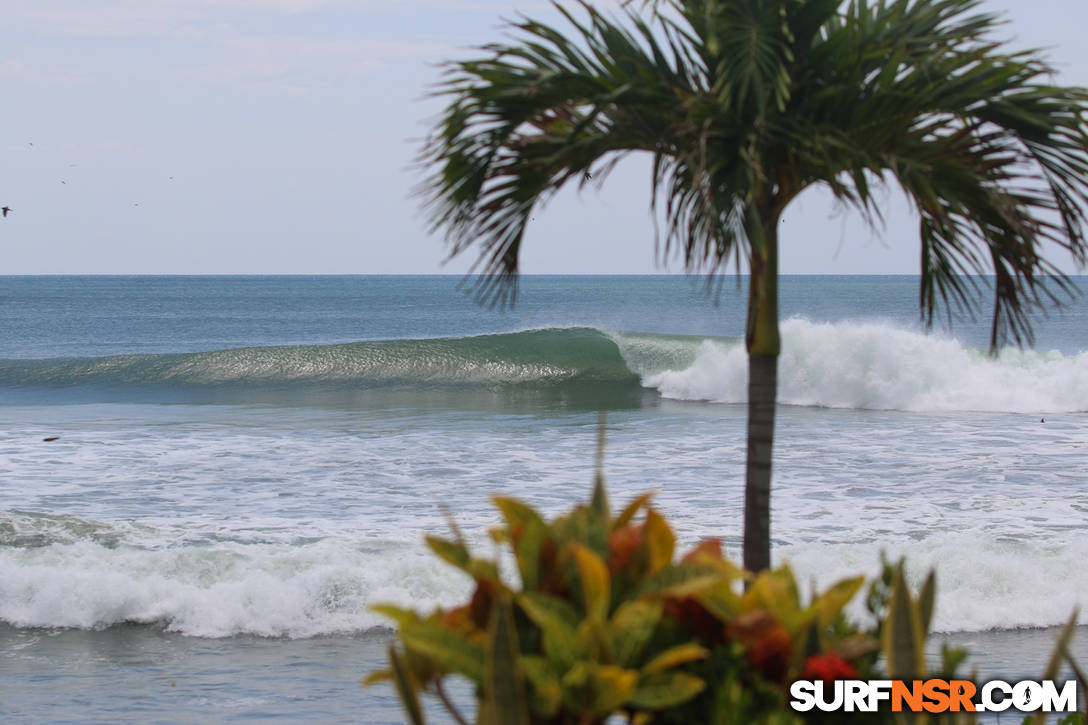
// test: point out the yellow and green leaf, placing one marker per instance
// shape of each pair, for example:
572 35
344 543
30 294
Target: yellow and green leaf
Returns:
398 614
631 510
453 552
449 650
558 622
680 580
674 657
596 584
903 638
660 541
665 689
926 599
829 604
598 689
631 627
504 687
545 693
407 688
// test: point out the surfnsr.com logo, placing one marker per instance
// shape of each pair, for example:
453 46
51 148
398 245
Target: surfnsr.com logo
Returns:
933 695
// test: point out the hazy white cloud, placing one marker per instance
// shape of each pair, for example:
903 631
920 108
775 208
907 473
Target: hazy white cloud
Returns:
275 6
218 42
110 19
297 62
136 18
139 18
18 70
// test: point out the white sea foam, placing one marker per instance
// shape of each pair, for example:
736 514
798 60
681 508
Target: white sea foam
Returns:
877 366
219 590
326 588
983 582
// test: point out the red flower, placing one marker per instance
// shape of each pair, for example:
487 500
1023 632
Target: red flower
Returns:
828 666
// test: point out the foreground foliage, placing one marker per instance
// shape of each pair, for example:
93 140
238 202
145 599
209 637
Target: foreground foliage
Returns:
605 621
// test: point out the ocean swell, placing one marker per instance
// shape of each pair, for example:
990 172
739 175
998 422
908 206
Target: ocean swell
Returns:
834 365
539 358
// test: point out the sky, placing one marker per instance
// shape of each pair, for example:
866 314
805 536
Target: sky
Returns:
279 137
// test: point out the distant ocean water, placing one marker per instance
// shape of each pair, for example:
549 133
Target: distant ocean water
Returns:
245 457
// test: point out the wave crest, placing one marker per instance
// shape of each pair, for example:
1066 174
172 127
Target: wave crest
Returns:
534 357
876 366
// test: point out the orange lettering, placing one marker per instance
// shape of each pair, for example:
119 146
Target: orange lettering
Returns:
961 692
936 693
912 695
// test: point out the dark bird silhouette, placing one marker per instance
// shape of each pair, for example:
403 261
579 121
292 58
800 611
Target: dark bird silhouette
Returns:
50 439
1042 420
4 210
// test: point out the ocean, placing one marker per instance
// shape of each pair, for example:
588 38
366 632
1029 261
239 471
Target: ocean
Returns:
243 465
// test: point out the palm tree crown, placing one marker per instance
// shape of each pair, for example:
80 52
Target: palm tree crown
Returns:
743 104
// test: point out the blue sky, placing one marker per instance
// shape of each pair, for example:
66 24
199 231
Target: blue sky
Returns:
277 136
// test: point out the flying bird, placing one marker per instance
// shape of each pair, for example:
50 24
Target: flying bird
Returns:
5 210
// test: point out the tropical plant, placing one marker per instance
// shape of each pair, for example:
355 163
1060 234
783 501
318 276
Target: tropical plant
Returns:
745 104
605 621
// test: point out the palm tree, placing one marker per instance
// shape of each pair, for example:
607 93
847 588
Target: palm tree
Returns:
744 104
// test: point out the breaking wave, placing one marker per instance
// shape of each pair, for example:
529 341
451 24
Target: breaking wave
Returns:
61 572
836 365
876 366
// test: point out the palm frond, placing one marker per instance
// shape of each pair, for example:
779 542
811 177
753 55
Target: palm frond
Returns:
745 103
541 113
916 93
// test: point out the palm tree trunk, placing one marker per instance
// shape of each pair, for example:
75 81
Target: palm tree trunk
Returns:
762 389
764 345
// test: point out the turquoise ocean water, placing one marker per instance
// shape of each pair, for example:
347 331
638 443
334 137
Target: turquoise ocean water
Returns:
244 464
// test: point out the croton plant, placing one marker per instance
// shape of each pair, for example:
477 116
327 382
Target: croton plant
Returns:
605 621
